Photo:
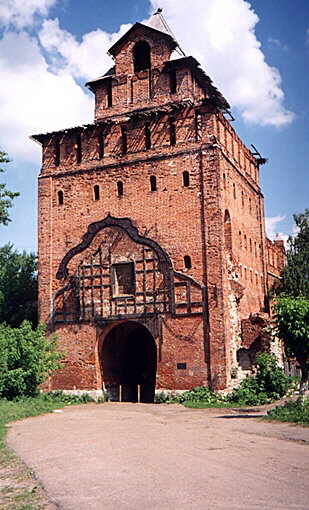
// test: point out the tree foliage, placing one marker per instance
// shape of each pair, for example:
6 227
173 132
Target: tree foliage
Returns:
6 196
18 287
26 358
292 326
295 281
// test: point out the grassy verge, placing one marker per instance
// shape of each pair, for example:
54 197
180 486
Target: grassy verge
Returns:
293 412
208 405
19 490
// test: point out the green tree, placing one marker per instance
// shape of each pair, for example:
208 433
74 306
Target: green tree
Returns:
26 359
18 287
6 196
295 277
292 326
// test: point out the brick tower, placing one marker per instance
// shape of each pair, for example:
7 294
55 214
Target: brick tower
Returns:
151 229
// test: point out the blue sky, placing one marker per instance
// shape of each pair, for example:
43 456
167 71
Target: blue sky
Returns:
256 52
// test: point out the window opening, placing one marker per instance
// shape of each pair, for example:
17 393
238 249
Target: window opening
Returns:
141 56
234 191
172 131
227 231
173 81
186 178
153 183
123 279
124 140
120 189
57 152
96 192
101 145
224 181
60 197
147 136
187 262
78 147
242 199
109 94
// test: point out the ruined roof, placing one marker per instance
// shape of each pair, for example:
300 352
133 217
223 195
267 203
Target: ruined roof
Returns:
202 78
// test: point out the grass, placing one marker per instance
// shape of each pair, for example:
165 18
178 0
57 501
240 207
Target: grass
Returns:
292 412
212 405
20 490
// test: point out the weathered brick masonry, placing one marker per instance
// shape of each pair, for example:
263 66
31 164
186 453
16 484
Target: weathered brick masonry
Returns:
152 247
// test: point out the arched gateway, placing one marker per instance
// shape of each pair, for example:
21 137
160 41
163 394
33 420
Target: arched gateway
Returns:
129 363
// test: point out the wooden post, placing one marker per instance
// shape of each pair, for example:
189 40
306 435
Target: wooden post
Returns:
138 393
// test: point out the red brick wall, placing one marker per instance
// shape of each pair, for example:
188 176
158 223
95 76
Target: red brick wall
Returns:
184 220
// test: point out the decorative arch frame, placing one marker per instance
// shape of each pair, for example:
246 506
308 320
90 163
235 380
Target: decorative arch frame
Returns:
127 226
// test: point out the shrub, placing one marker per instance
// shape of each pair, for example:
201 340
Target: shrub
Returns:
199 394
26 358
270 383
162 398
296 412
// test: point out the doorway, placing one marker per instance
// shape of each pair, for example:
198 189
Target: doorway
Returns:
129 362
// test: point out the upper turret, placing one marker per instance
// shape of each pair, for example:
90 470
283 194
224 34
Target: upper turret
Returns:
144 74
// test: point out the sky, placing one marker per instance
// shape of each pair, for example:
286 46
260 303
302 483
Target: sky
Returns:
256 52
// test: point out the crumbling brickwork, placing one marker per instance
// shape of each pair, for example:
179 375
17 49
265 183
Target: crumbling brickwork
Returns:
160 181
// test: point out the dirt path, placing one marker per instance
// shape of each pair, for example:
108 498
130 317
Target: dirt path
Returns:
158 457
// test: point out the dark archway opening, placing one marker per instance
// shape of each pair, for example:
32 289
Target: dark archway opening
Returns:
129 362
141 56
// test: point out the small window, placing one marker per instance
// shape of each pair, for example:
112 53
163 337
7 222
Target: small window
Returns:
173 81
101 143
242 199
227 231
141 56
250 205
78 148
60 197
123 279
147 136
187 262
245 241
181 366
240 239
234 190
250 243
186 178
153 183
172 131
224 181
96 192
120 189
57 152
109 93
124 140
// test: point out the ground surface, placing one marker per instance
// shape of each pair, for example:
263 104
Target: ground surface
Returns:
156 457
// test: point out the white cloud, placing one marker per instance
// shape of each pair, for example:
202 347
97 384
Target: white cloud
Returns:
33 99
272 233
221 35
21 13
87 59
276 42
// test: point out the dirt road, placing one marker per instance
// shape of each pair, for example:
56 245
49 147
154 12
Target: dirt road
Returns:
158 457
